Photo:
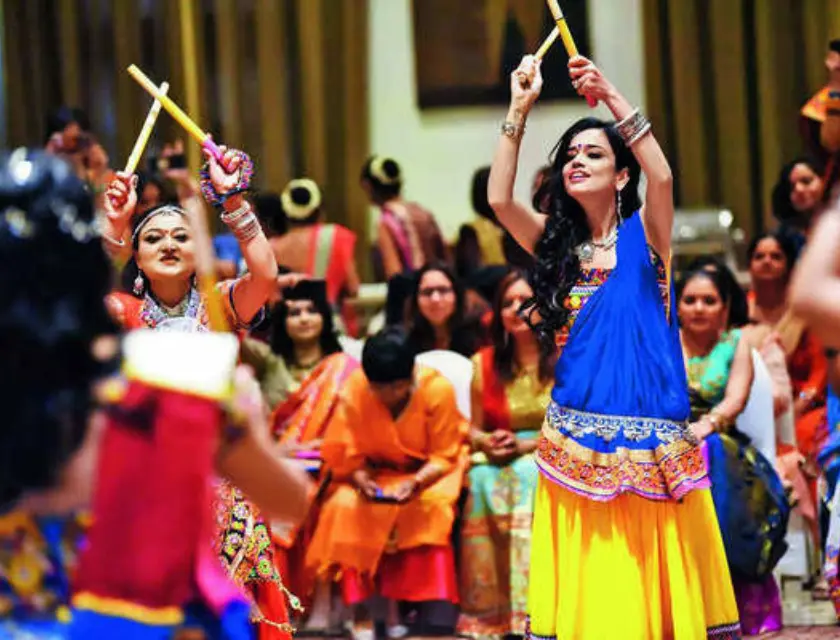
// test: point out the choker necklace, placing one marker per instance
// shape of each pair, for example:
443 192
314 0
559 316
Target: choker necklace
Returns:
586 250
178 310
154 313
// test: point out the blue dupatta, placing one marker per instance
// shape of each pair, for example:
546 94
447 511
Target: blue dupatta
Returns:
619 411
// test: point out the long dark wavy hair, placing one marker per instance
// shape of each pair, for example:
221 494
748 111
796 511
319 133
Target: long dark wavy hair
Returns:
504 352
465 337
280 340
557 265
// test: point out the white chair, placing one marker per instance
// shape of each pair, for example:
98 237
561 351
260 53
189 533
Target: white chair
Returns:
351 347
757 420
455 368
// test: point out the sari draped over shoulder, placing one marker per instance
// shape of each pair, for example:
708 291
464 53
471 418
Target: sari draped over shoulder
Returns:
623 427
623 490
304 415
413 235
332 250
250 581
300 420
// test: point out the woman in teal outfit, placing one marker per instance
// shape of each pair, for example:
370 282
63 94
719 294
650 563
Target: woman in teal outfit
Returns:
720 372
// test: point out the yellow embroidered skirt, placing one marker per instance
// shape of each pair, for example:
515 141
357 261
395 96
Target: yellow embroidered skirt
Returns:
628 569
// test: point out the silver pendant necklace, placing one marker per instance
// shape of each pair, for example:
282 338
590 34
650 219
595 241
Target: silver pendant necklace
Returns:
586 250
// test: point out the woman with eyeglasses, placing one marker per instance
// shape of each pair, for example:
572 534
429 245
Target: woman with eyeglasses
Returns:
437 318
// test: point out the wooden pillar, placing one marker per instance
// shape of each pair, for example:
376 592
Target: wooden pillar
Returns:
274 114
228 69
733 160
132 102
693 179
68 30
189 58
313 48
355 123
778 104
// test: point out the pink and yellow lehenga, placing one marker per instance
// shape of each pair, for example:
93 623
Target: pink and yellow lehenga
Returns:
242 539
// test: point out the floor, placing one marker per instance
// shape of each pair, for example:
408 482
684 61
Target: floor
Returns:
805 618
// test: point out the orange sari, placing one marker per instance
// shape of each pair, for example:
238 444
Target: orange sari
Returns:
377 541
300 420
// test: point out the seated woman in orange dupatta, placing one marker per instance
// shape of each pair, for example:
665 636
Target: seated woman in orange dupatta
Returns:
301 347
396 448
301 373
321 250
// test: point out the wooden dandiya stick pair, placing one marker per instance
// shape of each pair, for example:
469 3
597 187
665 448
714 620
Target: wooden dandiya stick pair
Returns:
561 30
205 270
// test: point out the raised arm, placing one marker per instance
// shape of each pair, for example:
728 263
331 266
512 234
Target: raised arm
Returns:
119 204
253 290
658 210
522 222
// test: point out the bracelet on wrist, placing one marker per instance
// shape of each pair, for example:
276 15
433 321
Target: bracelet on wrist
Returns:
246 175
113 241
513 130
633 128
718 422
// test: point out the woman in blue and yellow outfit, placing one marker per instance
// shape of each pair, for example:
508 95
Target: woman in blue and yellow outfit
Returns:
510 390
623 517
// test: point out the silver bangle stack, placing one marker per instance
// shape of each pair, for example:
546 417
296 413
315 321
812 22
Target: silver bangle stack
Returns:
633 128
243 223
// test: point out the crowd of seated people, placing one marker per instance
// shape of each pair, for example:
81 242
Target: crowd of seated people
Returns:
478 502
423 499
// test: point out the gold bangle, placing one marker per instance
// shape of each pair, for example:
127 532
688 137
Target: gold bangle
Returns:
719 423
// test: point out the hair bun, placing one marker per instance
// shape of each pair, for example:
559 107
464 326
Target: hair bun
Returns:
301 198
385 170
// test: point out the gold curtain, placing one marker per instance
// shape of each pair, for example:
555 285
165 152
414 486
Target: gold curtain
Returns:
725 82
283 79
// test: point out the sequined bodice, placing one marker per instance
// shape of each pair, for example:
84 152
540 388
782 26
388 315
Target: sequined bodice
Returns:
588 283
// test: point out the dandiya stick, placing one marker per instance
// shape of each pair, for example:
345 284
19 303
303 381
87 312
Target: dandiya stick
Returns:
176 112
205 266
565 35
145 133
546 45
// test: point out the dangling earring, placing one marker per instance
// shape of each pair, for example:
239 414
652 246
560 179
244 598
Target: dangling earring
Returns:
139 284
618 205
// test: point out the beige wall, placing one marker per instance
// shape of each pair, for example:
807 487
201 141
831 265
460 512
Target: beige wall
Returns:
439 149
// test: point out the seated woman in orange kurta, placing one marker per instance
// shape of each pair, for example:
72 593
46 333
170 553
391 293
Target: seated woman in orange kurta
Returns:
396 448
